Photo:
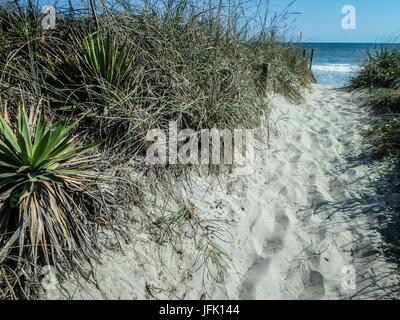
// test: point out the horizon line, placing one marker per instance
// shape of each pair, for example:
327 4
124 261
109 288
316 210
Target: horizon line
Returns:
349 42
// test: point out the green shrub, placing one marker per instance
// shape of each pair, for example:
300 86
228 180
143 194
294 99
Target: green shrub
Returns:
381 74
384 101
43 187
201 67
381 69
104 59
384 136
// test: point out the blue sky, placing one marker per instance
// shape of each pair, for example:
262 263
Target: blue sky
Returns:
320 20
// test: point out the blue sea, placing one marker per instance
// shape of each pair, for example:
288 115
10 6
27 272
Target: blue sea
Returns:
335 63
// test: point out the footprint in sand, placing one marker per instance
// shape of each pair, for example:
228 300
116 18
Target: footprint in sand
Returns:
295 161
312 172
314 285
315 144
324 131
310 282
275 242
271 246
315 196
283 192
327 142
252 277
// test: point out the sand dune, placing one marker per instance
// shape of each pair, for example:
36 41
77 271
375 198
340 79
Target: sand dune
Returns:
297 224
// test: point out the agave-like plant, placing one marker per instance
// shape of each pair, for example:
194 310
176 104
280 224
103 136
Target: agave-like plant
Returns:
104 58
44 183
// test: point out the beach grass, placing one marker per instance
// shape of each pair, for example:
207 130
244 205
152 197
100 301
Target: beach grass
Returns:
380 76
112 74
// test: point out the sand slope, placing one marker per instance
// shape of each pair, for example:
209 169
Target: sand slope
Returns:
296 223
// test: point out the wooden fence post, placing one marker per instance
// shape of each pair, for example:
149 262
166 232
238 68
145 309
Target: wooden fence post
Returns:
311 58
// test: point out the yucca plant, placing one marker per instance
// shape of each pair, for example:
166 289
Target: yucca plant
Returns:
44 191
103 58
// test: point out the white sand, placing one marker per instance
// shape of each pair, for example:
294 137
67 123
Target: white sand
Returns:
295 223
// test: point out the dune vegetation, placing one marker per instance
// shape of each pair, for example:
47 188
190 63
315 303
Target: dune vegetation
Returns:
77 101
380 76
379 80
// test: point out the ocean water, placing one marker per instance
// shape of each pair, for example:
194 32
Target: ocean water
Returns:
335 63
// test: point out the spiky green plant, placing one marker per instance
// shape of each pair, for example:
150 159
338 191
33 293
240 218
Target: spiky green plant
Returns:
381 69
43 187
104 58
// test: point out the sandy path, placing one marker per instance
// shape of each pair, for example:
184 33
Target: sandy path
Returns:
300 219
315 208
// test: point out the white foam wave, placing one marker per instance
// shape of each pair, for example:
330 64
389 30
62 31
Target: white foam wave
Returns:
336 68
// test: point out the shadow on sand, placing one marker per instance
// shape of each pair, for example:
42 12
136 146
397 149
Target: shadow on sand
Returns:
371 204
